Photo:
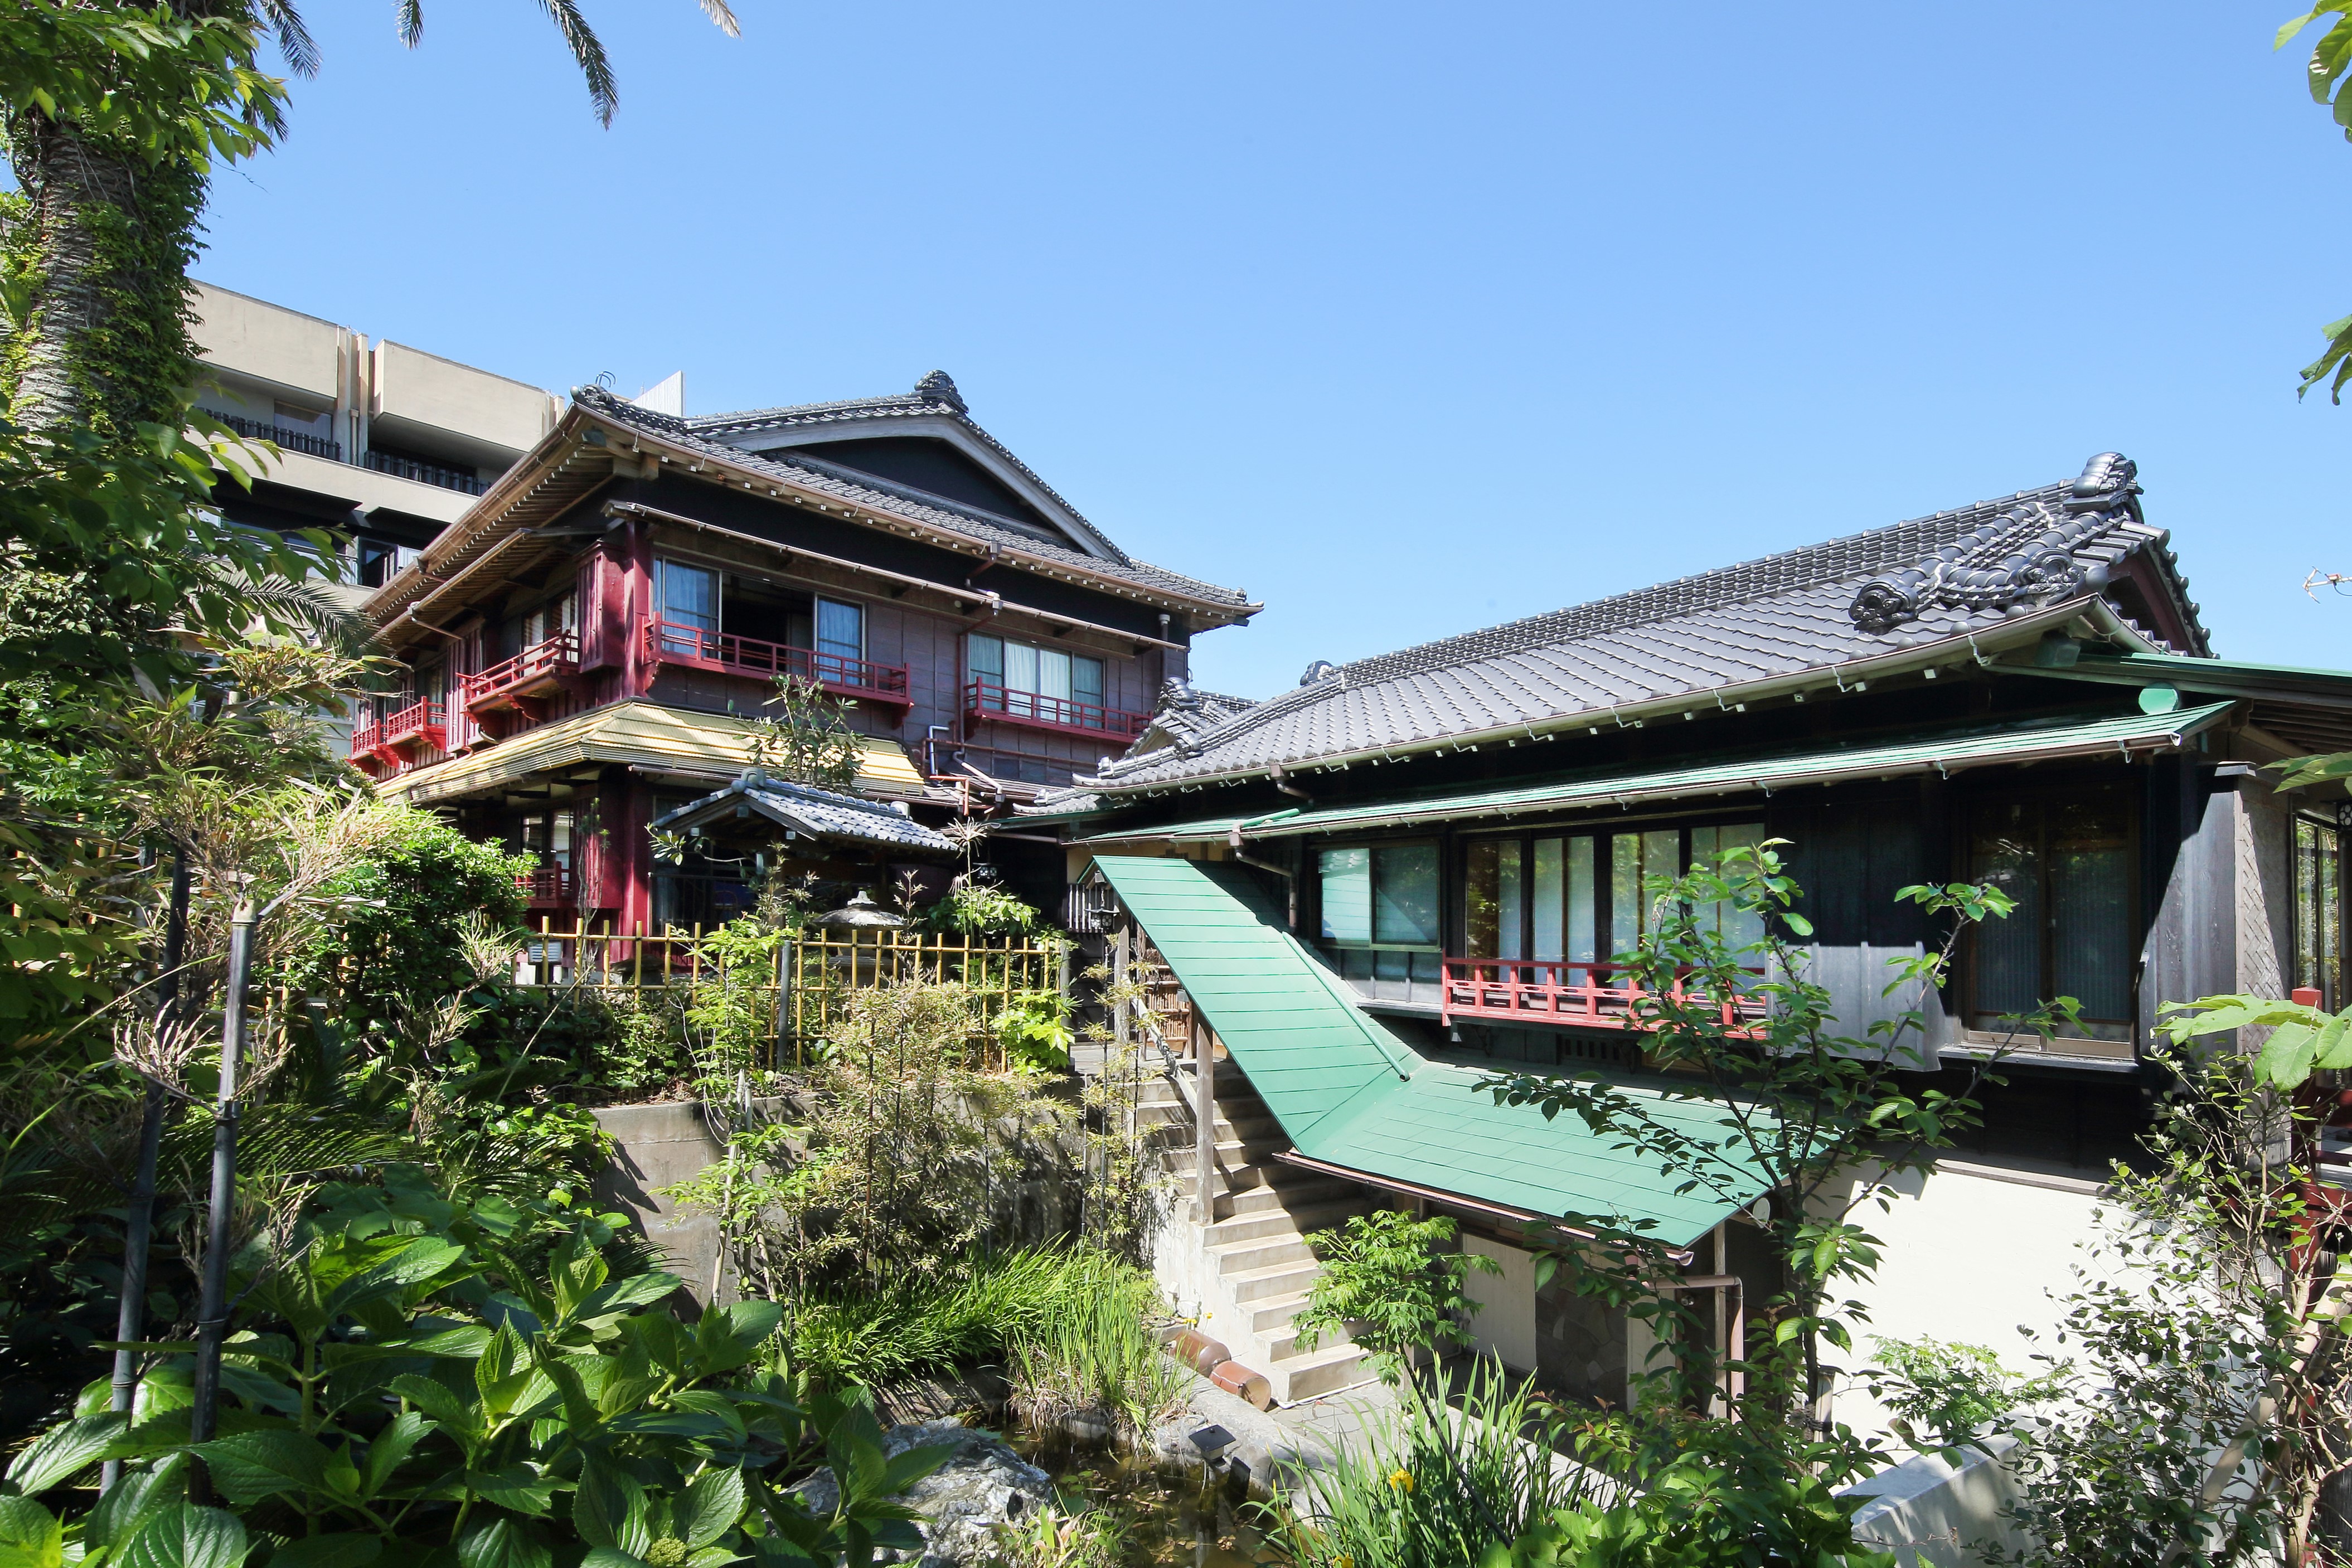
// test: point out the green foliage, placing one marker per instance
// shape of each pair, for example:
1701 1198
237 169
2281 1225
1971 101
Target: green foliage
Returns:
1434 1485
1793 1108
1098 1358
807 739
914 1326
396 931
400 1390
905 1162
2303 1039
1943 1395
2330 57
1393 1283
983 908
1035 1031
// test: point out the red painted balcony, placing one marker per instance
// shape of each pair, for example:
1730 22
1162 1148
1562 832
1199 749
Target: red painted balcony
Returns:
1559 991
990 703
519 683
392 744
860 680
549 887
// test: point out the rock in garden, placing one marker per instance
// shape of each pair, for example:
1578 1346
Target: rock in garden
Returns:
984 1484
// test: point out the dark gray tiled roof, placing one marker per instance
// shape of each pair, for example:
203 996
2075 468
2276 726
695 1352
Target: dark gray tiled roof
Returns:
1776 616
865 490
820 813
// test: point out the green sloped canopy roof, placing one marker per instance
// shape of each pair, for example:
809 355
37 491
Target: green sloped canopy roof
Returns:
1350 1093
1945 751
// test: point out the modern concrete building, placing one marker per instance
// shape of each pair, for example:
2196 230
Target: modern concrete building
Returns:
383 443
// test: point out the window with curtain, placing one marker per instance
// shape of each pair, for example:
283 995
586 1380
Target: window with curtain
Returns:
2319 909
688 597
1381 917
2067 863
1554 897
840 634
1051 684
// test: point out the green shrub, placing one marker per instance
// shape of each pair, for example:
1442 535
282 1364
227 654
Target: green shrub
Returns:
1098 1357
1433 1487
914 1326
1387 1279
1943 1394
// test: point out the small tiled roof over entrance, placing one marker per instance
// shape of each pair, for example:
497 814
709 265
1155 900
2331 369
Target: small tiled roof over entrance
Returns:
1932 580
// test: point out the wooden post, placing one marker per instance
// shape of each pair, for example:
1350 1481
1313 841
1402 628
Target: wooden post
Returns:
1204 1115
1118 981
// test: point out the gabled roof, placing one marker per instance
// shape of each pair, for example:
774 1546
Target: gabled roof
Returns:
859 489
820 814
2000 566
935 406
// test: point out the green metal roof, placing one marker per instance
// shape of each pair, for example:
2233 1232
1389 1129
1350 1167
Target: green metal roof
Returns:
1946 751
2288 682
1350 1093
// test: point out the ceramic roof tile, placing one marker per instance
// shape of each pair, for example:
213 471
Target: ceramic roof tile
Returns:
1863 596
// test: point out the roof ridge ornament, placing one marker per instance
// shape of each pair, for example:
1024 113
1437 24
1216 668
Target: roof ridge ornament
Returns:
2024 556
940 387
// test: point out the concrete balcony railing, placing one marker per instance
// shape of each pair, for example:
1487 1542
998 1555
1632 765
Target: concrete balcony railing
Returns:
280 436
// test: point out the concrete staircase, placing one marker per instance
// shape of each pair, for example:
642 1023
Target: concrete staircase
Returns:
1250 1268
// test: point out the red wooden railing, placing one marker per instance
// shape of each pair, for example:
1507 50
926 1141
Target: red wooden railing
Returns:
1563 991
549 887
987 700
365 740
668 643
419 721
540 665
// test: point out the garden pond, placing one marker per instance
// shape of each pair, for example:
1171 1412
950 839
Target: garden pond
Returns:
1164 1518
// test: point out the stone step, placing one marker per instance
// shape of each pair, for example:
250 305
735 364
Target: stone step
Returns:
1248 1285
1289 1217
1274 1314
1322 1370
1296 1190
1246 1256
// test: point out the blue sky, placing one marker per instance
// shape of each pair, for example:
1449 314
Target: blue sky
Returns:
1406 319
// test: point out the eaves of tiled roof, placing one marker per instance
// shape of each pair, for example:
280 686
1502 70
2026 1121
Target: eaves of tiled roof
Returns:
864 490
1780 621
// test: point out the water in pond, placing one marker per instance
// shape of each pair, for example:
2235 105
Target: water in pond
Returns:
1165 1520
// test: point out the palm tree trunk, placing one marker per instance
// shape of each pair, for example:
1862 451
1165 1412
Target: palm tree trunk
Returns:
105 237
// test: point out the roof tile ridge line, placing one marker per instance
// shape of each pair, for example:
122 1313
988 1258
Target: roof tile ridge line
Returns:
756 462
1688 581
1285 703
778 413
1869 666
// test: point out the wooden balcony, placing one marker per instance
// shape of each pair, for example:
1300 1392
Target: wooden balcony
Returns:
521 684
987 702
393 744
549 887
859 680
1569 995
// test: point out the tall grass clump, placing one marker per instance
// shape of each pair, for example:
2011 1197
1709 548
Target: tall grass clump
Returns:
934 1324
1435 1486
1098 1361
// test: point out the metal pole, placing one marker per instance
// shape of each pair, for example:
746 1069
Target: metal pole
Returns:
212 1311
139 1220
1205 1116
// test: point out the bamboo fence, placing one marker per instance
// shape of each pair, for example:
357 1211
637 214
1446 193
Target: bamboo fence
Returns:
807 985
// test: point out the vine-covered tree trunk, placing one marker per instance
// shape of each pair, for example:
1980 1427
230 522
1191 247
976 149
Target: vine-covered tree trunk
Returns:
98 245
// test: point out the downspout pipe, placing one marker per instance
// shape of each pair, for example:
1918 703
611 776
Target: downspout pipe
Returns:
1290 877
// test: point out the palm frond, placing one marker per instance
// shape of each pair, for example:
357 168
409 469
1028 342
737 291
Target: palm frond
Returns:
308 604
721 17
588 51
294 39
410 22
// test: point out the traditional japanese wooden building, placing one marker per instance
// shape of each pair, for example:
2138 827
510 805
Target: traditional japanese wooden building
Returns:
1459 836
584 648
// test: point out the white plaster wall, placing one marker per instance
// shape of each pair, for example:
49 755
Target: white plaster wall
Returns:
1503 1326
1969 1257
